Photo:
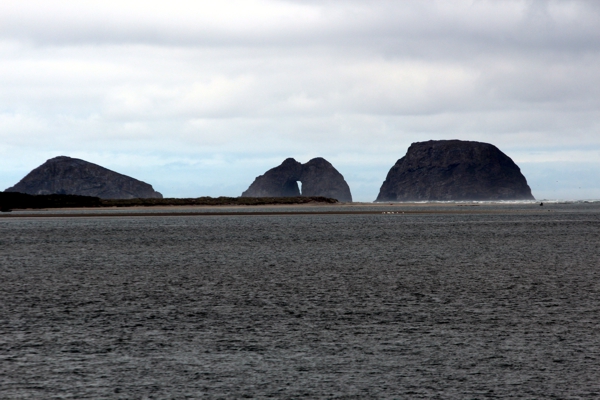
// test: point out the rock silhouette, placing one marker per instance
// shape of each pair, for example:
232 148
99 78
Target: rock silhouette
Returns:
65 175
318 178
454 170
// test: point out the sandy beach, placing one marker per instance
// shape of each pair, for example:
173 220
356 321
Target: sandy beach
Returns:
293 209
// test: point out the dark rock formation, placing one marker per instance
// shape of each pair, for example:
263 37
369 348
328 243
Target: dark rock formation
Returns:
454 170
318 177
65 175
281 181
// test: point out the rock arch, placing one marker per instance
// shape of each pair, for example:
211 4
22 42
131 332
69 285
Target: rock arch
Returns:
318 178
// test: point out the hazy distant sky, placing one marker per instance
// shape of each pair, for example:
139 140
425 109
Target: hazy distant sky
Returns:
198 98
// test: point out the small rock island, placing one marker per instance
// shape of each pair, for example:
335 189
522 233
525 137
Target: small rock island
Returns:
318 178
439 170
66 175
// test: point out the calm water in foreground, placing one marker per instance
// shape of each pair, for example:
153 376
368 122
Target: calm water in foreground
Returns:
350 306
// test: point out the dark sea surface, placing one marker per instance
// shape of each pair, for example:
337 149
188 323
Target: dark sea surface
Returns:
495 304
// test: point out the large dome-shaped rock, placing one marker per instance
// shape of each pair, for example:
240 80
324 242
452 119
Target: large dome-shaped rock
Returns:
454 170
65 175
318 178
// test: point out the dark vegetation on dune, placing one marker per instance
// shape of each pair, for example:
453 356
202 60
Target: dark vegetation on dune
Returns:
12 200
15 200
217 201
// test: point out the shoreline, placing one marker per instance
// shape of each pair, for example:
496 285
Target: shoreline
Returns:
275 210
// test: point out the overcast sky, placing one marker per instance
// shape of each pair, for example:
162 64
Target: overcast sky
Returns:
198 98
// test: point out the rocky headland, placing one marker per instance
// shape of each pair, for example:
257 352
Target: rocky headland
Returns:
439 170
72 176
318 178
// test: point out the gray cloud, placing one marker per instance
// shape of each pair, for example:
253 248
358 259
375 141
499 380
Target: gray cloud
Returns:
242 84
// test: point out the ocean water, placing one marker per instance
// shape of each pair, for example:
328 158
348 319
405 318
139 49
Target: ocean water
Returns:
484 305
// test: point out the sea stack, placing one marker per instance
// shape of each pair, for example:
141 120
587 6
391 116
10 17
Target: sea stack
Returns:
318 178
65 175
446 170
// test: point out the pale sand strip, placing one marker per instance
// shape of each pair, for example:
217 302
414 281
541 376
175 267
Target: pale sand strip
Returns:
337 209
